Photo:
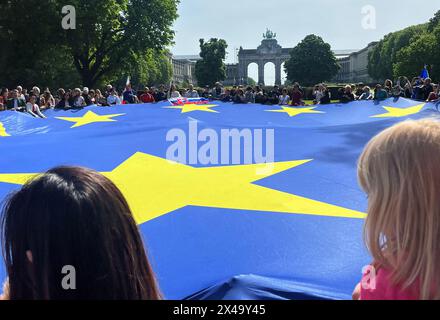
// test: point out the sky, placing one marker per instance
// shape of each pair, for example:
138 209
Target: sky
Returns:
338 22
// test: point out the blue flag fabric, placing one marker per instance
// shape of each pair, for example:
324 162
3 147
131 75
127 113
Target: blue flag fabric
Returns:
224 230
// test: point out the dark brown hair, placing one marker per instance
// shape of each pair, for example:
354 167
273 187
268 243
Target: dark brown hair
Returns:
74 217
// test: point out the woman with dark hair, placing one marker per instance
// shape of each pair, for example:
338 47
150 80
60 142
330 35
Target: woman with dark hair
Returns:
76 218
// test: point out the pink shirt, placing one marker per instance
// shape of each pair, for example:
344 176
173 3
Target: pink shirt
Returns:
385 289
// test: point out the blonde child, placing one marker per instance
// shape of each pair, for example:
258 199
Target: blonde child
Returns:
399 171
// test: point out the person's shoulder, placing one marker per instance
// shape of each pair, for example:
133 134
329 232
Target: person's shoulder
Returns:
378 284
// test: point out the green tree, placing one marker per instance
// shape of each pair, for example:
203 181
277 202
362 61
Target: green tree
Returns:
251 81
311 61
211 68
434 22
30 54
109 35
405 52
424 50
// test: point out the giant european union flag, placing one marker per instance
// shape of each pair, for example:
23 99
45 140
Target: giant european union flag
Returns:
224 231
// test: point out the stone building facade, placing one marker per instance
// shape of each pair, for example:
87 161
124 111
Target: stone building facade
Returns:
184 68
354 67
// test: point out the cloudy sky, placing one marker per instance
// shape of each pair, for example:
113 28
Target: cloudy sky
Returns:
339 22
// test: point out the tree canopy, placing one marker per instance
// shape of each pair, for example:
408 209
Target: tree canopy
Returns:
384 55
211 68
110 37
311 61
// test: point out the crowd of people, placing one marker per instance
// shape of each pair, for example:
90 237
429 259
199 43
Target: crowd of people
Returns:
35 103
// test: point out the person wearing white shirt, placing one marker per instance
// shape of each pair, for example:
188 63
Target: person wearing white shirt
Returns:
78 99
173 93
20 93
113 98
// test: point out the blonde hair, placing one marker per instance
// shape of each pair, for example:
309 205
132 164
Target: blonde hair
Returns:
400 171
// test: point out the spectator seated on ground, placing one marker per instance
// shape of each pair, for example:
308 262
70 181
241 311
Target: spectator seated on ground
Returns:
434 95
427 89
129 96
37 93
317 94
78 99
100 100
380 93
273 96
160 95
347 95
33 109
217 91
397 92
359 90
64 103
4 96
49 100
206 93
173 93
87 97
15 103
249 96
297 96
74 217
113 98
260 97
21 93
418 92
326 96
284 98
366 94
227 97
408 90
191 92
239 98
388 87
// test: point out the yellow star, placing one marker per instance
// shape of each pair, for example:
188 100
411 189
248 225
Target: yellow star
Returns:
194 107
154 187
292 112
3 132
90 117
400 112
